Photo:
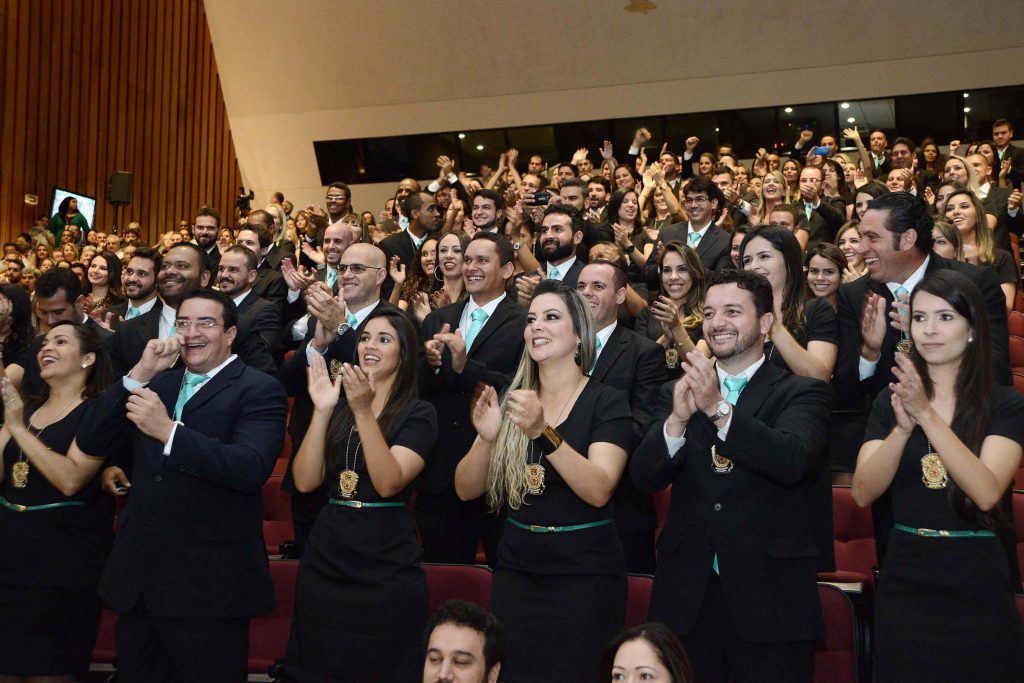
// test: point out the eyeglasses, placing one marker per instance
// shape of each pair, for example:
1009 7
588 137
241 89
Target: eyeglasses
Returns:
356 268
204 324
696 200
336 198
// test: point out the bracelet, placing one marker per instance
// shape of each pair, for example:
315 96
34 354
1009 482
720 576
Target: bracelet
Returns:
548 441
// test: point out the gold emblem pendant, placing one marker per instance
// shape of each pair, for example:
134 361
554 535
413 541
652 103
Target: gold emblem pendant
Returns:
335 368
535 479
933 471
722 464
347 482
19 475
904 346
671 357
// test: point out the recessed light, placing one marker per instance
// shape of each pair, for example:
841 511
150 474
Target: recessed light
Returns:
966 95
480 147
845 105
967 110
462 136
716 130
851 120
788 110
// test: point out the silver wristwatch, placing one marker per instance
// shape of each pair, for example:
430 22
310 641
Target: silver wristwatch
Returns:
721 410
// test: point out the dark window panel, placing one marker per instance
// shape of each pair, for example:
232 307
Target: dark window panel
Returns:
988 105
679 127
928 116
747 130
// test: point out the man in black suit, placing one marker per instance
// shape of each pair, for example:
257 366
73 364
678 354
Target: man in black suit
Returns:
259 321
334 329
337 237
188 568
205 231
140 286
737 439
573 192
824 215
424 221
636 365
1002 135
559 235
466 344
703 203
994 200
58 297
276 249
896 243
269 282
738 208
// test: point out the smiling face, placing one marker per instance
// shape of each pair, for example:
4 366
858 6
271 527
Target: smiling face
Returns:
596 284
233 275
179 274
482 270
761 257
889 256
484 214
939 332
557 240
98 274
732 327
61 358
379 350
449 255
139 278
205 231
823 276
848 242
549 331
771 188
623 178
204 348
337 238
791 172
361 289
629 208
428 255
676 279
960 210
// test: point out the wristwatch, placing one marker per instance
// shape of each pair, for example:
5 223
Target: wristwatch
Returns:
630 249
516 246
721 410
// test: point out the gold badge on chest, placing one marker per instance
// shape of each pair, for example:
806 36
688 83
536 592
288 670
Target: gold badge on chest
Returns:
720 463
933 471
905 346
671 357
535 479
348 480
19 474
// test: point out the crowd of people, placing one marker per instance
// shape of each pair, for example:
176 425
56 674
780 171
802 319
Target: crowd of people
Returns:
515 362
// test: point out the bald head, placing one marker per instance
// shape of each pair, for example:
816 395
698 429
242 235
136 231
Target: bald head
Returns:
360 289
337 238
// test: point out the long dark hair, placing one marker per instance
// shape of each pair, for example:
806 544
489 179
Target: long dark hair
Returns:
973 385
795 292
65 206
403 390
113 275
418 280
615 203
664 643
100 372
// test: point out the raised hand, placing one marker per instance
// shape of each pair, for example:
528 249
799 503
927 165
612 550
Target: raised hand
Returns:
513 155
666 312
358 388
954 145
434 348
683 407
1013 201
702 377
1004 168
525 286
456 346
873 327
929 196
641 137
523 408
297 279
312 253
606 150
487 414
851 134
806 136
446 166
691 143
909 389
621 237
158 355
14 407
579 155
397 271
322 391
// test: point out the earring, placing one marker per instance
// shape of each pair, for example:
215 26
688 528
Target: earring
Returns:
970 339
438 274
578 356
85 365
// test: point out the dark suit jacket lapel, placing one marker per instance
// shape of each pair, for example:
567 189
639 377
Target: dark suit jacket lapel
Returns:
221 381
755 394
150 327
502 313
617 344
708 242
248 301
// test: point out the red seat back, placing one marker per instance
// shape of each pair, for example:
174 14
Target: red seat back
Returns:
854 535
105 649
1018 520
638 600
661 503
277 504
835 656
268 634
1015 322
470 582
1016 351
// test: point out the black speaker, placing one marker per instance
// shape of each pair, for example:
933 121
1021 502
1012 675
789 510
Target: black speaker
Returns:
119 191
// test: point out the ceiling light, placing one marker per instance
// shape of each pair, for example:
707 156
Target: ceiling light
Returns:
788 110
462 136
851 120
480 148
716 130
967 110
845 105
966 95
640 6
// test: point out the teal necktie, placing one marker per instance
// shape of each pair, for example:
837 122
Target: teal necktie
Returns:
553 273
189 386
735 386
808 209
693 239
901 291
477 320
332 276
132 312
597 349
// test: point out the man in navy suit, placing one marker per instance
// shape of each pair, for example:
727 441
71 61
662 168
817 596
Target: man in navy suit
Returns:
737 440
703 203
189 569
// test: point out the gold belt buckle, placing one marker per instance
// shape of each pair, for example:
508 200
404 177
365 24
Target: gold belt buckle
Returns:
355 503
19 508
538 529
924 532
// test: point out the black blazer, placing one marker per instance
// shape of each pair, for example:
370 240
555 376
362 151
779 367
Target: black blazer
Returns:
213 263
573 275
995 204
259 324
129 340
190 539
857 396
713 248
756 518
492 359
270 285
1016 157
825 220
636 365
400 245
276 254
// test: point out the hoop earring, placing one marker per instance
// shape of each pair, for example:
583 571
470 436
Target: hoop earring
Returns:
578 356
438 277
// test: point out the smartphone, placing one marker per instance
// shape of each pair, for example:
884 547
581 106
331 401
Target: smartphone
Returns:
540 199
821 151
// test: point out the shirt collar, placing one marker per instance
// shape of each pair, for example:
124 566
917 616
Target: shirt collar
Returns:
241 297
689 229
363 312
604 334
911 282
748 373
489 307
563 267
146 307
212 373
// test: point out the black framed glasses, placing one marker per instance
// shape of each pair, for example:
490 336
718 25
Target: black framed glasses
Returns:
356 268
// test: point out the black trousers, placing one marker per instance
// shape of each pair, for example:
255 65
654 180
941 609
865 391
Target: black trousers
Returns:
718 655
152 649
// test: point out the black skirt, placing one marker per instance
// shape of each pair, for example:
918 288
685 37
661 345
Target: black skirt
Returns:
945 612
556 624
47 631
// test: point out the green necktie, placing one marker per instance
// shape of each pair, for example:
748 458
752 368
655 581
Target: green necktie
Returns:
477 320
597 349
553 273
332 276
735 386
132 312
693 239
808 209
189 386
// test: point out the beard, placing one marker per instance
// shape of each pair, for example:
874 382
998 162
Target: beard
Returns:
557 252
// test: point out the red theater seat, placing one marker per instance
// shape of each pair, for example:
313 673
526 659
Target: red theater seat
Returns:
470 582
1015 322
661 502
638 600
277 515
854 540
835 656
105 649
268 634
1016 351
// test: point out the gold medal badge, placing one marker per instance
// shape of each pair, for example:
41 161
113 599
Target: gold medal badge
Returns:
535 479
671 357
19 474
347 482
905 346
933 471
720 463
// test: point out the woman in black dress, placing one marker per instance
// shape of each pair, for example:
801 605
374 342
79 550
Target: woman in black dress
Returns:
53 530
361 602
552 452
945 441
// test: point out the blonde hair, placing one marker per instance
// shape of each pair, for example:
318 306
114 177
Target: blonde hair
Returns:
506 476
972 179
762 211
